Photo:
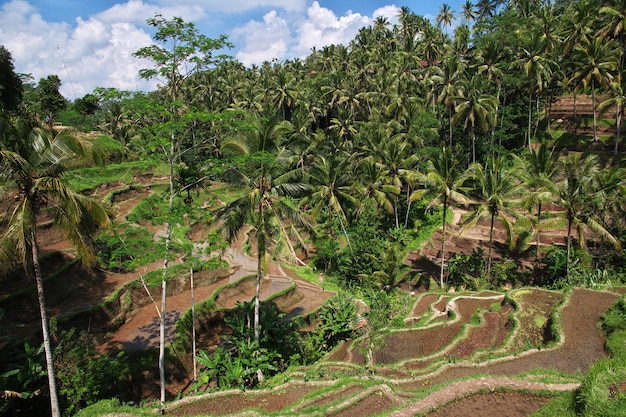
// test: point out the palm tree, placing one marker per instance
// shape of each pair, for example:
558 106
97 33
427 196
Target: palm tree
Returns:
617 99
537 67
467 11
265 203
34 171
450 73
596 63
444 181
539 176
613 18
374 185
331 190
494 191
474 108
578 194
445 16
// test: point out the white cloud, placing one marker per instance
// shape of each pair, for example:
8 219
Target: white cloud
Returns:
322 27
239 6
391 12
97 51
262 41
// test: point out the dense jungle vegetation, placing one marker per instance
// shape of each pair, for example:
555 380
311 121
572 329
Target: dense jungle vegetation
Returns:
347 159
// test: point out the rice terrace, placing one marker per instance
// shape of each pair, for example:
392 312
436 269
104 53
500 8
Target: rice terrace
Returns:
427 222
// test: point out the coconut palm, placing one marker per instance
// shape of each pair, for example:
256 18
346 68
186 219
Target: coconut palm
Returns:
495 190
264 204
33 171
617 99
537 67
467 11
539 175
596 62
582 200
445 16
331 190
474 108
444 180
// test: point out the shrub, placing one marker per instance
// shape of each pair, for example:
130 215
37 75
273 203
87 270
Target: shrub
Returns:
84 376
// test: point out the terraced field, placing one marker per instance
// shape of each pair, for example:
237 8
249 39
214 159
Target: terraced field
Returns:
452 346
488 344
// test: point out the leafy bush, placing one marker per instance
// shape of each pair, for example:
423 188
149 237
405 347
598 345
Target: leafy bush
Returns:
243 362
84 376
599 395
127 248
467 270
89 178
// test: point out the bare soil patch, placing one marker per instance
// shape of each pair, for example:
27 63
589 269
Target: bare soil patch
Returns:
493 404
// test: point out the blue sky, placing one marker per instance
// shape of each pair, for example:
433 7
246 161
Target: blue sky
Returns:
89 44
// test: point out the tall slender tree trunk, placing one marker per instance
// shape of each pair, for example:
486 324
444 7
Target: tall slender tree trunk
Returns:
193 324
166 261
595 116
260 254
443 239
490 244
538 232
473 146
450 124
408 208
575 112
569 246
618 122
530 112
54 400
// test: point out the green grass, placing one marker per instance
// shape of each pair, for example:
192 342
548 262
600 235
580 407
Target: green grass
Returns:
113 407
89 178
560 406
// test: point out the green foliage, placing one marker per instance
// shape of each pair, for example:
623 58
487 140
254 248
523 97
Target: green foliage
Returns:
357 262
86 377
613 324
127 247
110 148
467 270
70 117
336 321
10 83
599 395
113 407
561 405
152 208
327 255
242 362
89 178
22 372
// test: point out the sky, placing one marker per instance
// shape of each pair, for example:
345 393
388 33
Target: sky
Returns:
90 43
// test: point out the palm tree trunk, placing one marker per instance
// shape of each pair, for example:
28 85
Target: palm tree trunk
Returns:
259 273
168 238
569 245
450 125
618 122
54 400
530 111
473 146
538 226
493 216
595 116
408 208
193 324
443 239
